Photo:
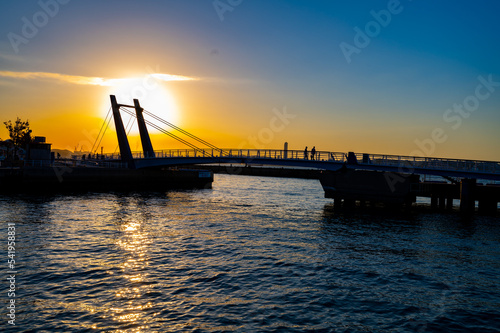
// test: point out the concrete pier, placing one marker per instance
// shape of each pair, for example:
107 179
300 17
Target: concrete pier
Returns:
487 207
449 203
467 196
75 179
361 186
434 202
351 186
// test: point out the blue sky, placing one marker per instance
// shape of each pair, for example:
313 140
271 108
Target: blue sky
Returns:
274 54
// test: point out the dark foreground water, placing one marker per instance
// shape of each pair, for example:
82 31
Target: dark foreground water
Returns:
251 255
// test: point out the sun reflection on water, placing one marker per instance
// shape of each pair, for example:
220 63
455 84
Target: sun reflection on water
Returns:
130 305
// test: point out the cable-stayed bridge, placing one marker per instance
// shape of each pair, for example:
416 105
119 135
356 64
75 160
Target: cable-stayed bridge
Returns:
346 177
332 161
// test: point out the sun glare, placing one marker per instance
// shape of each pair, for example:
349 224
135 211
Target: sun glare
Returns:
152 96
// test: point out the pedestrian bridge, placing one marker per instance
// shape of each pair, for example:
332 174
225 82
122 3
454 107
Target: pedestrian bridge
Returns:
324 160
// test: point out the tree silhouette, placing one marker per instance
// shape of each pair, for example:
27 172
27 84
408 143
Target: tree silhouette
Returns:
19 132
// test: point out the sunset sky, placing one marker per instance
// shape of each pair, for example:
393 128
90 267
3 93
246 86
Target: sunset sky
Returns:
391 77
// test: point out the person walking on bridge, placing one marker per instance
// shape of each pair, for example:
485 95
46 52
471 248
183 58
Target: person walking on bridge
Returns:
306 156
313 152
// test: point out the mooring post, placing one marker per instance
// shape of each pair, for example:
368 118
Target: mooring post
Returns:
449 203
467 195
125 152
147 147
337 202
487 206
442 202
434 201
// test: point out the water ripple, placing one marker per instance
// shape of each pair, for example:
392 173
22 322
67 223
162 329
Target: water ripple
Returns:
252 254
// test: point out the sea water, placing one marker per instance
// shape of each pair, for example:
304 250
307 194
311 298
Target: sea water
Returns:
252 254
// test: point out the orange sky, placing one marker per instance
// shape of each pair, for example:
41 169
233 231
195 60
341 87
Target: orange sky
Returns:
255 79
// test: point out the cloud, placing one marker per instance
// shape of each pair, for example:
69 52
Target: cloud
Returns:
85 80
95 81
8 57
171 77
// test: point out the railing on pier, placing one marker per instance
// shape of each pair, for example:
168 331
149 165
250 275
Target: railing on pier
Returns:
92 163
408 163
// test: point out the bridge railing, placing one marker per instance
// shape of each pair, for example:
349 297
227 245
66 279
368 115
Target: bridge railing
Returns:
241 153
407 163
247 153
403 163
71 162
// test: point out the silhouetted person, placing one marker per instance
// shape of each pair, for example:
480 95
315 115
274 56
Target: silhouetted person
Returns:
90 157
83 157
58 156
351 158
313 152
306 156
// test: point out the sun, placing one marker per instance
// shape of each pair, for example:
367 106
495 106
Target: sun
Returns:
153 97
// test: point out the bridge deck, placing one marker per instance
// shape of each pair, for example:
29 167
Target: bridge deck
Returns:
322 160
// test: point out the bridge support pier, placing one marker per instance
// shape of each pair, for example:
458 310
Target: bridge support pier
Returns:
442 202
434 202
488 207
449 203
349 203
337 203
467 196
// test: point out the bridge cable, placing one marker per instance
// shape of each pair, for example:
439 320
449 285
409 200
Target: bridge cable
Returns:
102 126
102 136
166 132
187 143
182 131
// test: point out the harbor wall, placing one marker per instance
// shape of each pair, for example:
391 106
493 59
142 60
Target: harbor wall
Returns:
53 179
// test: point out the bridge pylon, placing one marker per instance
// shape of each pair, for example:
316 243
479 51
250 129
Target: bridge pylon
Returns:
147 146
125 152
